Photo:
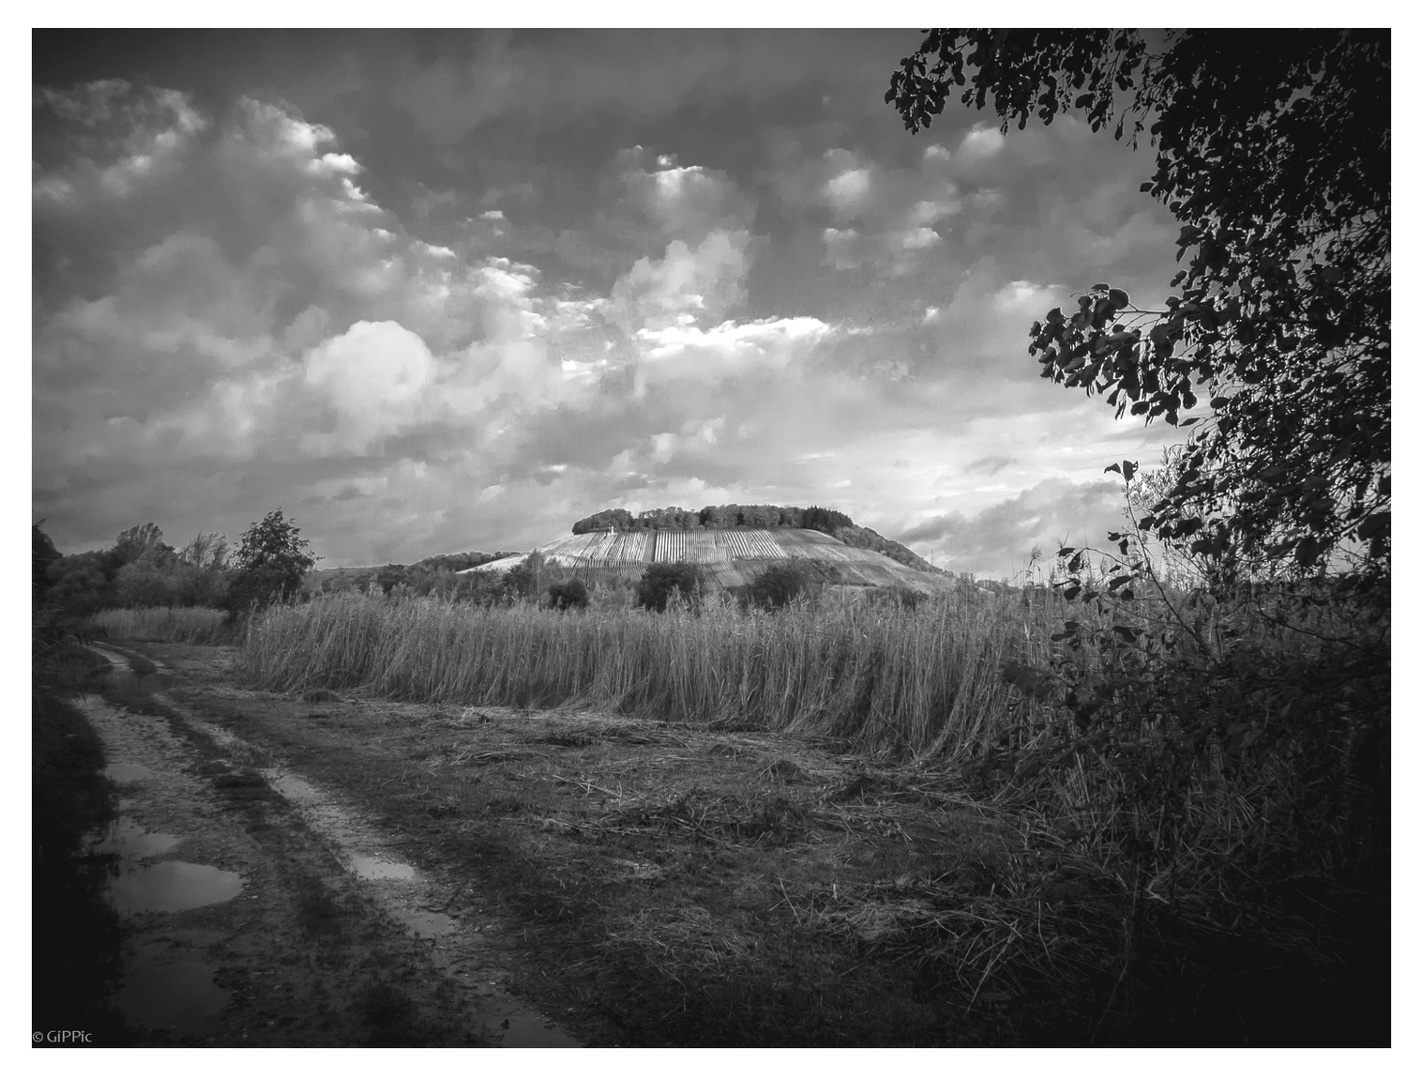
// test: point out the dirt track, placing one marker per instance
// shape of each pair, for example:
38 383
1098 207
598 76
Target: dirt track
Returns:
333 938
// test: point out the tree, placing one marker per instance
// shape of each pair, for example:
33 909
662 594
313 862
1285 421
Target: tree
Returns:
779 585
133 544
46 555
151 580
79 584
563 595
1273 152
662 583
202 570
271 562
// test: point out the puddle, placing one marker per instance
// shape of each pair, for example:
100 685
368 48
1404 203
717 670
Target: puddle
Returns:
130 683
292 788
129 841
124 773
427 923
172 886
526 1030
374 868
166 994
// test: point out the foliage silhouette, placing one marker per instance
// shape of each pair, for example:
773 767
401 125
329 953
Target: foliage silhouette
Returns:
270 564
779 585
568 594
662 583
1273 152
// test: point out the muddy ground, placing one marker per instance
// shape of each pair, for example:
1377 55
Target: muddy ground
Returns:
258 910
414 875
331 869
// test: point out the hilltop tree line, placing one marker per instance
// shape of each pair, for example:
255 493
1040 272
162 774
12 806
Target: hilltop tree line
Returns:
729 516
732 515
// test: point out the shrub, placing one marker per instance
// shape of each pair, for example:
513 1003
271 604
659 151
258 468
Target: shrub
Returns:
567 594
904 597
662 582
778 585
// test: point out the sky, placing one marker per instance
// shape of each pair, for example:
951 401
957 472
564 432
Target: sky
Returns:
452 291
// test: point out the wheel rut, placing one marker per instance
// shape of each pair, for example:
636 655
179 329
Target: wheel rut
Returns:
259 908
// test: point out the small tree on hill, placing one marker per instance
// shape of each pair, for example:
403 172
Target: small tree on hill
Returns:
271 562
662 582
568 594
779 585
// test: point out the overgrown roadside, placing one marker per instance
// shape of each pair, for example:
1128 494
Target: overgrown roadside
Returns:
673 884
648 883
659 884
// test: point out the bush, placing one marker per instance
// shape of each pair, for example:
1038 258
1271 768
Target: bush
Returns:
778 585
567 594
908 599
663 582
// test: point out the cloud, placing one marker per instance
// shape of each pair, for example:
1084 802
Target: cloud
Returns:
881 218
979 146
998 541
703 220
376 377
990 465
687 285
257 312
685 203
134 137
420 341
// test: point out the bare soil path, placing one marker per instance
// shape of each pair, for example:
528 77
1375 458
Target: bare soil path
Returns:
260 909
415 874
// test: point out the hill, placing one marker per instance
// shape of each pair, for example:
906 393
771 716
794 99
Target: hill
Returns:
732 544
735 516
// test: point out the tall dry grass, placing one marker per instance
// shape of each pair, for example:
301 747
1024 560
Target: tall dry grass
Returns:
924 681
192 626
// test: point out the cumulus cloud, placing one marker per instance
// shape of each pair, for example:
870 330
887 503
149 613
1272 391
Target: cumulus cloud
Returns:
703 220
274 316
686 203
685 286
881 218
416 341
998 541
376 377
